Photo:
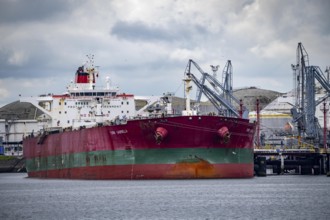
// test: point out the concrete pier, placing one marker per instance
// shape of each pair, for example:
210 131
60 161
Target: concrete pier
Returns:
294 161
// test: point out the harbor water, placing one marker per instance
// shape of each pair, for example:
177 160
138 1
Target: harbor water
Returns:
271 197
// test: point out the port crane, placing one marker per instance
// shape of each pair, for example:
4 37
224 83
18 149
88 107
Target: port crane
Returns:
220 95
303 113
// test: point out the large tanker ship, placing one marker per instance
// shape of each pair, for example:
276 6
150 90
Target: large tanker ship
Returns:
91 133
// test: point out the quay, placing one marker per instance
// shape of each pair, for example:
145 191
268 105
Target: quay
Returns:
304 161
12 164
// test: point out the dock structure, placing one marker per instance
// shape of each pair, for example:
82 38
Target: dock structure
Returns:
300 145
304 161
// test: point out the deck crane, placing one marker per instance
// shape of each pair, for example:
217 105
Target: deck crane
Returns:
227 80
303 112
219 96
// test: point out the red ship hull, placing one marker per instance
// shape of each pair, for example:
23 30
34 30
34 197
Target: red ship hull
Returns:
182 147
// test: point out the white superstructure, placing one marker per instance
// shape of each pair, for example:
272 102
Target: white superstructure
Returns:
83 104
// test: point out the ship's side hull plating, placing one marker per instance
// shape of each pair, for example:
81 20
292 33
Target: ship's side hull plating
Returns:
160 148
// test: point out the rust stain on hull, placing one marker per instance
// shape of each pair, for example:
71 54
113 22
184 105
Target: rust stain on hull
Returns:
193 168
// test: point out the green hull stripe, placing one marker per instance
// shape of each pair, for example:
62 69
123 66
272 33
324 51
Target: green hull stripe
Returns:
154 156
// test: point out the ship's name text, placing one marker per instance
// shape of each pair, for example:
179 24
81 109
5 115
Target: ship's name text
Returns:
118 132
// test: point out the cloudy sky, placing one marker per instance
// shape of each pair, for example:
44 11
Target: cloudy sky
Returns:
144 46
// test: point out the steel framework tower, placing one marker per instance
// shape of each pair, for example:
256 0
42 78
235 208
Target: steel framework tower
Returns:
305 78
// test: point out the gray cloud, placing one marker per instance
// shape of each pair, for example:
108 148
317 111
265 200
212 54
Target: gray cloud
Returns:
12 11
139 31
